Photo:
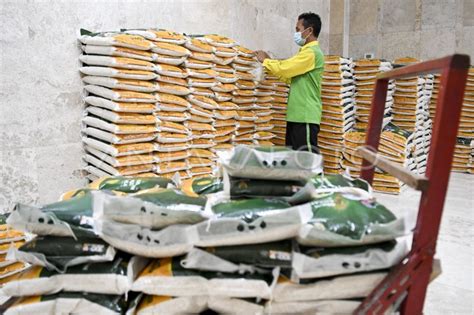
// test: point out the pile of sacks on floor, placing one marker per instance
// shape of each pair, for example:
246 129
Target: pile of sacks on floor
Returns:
338 116
464 152
396 144
273 235
160 102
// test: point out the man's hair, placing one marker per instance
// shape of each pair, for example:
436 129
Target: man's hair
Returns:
313 20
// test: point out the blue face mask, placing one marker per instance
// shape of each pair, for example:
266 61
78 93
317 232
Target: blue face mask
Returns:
298 38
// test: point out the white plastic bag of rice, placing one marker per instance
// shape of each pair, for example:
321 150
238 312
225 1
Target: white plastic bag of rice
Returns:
321 262
118 274
131 238
277 163
250 221
156 209
226 305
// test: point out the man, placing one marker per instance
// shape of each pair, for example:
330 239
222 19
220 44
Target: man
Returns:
304 74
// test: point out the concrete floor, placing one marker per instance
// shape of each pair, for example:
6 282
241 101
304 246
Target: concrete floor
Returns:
453 291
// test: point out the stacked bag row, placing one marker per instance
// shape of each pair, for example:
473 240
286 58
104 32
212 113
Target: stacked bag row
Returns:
159 102
464 152
365 73
396 144
272 236
411 111
338 115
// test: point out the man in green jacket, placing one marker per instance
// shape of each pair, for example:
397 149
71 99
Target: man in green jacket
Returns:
304 74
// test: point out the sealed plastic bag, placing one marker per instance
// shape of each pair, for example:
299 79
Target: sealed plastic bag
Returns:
276 163
321 262
345 220
131 238
71 217
343 287
69 303
251 221
156 209
59 253
167 276
115 277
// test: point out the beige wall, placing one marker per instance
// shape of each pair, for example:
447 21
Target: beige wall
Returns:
396 28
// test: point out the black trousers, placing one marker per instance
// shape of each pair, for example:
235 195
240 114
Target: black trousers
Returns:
302 136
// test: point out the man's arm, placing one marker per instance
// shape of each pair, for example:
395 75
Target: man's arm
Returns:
286 69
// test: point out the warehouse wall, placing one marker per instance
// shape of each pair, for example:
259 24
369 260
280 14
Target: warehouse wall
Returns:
40 111
419 28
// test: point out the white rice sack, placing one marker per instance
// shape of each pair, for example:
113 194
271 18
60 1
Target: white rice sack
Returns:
122 118
155 304
117 62
271 163
118 73
120 96
116 39
172 89
140 108
145 167
344 287
169 60
171 241
117 139
171 50
118 51
69 303
118 128
160 36
202 101
119 275
152 209
130 160
129 85
325 262
250 221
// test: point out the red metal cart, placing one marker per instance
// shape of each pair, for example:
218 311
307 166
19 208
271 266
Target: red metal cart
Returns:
409 279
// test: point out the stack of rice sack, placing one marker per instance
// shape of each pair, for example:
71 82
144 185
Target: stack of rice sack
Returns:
365 73
270 108
396 144
276 237
10 237
466 125
119 125
73 270
338 114
463 156
410 111
244 95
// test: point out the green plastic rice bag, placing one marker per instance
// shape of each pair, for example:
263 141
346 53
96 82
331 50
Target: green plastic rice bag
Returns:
168 277
339 220
156 209
59 253
202 186
246 187
130 184
336 181
277 163
342 287
318 262
114 277
69 303
142 241
251 221
72 217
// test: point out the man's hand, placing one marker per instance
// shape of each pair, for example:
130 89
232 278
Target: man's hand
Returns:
261 55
